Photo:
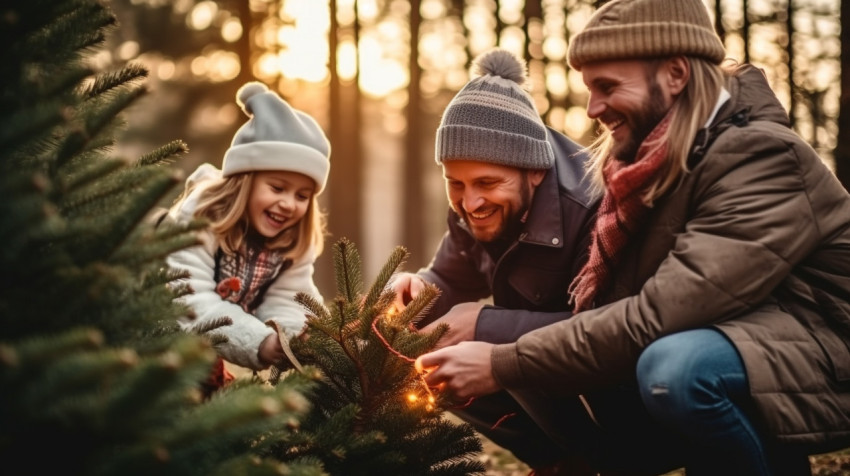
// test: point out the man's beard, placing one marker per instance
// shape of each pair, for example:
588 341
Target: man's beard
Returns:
513 223
644 121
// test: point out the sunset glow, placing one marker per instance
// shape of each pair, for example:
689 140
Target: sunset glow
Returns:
290 46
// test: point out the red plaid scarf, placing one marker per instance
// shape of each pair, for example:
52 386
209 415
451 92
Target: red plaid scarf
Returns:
245 275
620 214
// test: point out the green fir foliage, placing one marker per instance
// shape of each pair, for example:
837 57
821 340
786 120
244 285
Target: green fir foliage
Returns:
372 412
95 377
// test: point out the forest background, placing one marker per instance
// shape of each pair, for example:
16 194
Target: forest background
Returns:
82 331
377 74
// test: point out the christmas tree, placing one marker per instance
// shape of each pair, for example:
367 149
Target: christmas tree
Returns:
95 371
371 404
95 378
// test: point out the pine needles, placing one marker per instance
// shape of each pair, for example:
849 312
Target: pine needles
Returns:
94 372
371 404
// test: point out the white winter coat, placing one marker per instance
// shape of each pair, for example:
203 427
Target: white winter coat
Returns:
248 330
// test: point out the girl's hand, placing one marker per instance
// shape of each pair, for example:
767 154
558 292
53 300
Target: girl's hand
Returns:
270 351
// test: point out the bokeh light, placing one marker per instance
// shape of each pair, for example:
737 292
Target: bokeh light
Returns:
231 30
202 15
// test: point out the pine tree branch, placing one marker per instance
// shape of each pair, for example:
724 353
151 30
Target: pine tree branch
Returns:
164 154
77 252
111 80
89 173
396 259
30 222
204 327
348 265
152 241
59 84
29 130
420 305
67 36
362 374
122 219
94 120
313 306
42 350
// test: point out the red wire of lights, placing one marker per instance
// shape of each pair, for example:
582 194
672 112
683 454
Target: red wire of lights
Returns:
502 420
386 343
399 354
422 375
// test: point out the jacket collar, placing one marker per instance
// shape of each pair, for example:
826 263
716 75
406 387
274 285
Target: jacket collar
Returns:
543 225
750 99
721 100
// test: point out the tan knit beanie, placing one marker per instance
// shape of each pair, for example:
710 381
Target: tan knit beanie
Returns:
630 29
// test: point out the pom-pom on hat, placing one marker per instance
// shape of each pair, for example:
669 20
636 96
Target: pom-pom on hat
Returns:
633 29
493 119
276 137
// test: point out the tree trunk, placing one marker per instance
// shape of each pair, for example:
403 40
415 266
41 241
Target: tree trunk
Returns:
414 227
345 183
842 149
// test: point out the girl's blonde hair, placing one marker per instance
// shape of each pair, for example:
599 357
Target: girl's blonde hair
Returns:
224 204
691 110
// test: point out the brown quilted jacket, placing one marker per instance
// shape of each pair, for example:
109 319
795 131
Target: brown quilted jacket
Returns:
756 242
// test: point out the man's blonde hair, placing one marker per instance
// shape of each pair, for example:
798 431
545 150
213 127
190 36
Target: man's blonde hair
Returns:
691 109
225 203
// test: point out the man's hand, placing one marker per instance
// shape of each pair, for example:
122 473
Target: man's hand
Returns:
406 286
463 370
461 319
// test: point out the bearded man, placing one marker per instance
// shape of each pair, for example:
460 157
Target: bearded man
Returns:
712 324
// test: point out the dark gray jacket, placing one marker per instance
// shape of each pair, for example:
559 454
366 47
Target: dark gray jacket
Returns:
528 283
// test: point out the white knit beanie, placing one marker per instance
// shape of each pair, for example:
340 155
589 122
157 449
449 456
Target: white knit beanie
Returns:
492 119
276 137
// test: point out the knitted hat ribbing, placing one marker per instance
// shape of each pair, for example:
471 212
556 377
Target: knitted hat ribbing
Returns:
276 137
492 119
628 29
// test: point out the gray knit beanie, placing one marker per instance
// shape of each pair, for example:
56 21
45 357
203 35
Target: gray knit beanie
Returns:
631 29
492 119
276 137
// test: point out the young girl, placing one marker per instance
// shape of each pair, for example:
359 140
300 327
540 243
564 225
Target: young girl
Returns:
265 231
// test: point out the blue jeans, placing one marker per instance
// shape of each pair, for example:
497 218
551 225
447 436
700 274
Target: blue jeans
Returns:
695 384
691 407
